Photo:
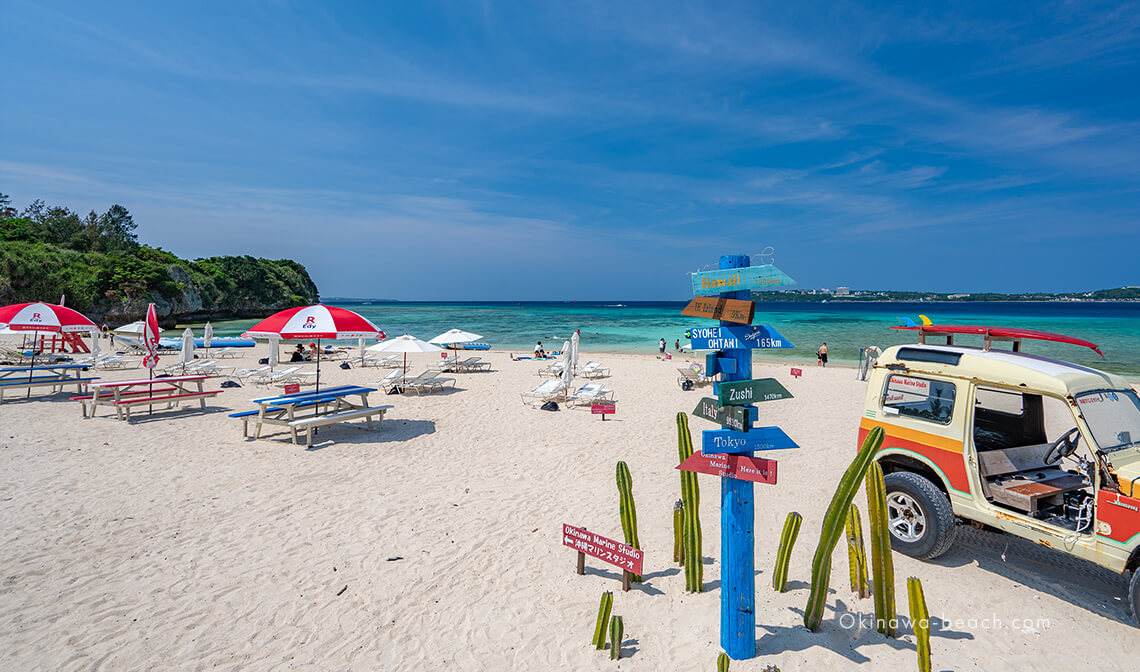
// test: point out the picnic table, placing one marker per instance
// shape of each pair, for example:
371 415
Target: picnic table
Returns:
55 376
329 406
123 394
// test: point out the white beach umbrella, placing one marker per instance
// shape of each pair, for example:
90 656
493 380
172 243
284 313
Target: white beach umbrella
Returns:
207 336
274 350
453 337
187 354
405 344
574 350
132 329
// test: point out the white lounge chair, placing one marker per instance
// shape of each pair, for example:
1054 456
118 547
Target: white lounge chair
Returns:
590 393
287 375
387 361
694 375
428 381
592 369
554 369
241 374
395 378
548 390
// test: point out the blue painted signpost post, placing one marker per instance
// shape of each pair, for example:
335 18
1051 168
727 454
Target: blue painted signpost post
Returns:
734 343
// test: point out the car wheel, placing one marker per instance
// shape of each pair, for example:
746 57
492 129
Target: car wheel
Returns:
1134 594
919 516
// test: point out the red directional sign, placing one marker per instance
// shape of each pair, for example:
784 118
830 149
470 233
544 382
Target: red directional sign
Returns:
740 467
595 545
603 409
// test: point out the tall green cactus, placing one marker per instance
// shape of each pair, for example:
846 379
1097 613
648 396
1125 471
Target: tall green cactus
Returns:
617 634
722 662
832 527
882 565
691 529
603 619
678 532
783 556
627 509
856 555
920 621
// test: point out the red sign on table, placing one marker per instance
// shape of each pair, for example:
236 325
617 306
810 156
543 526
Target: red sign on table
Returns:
292 388
740 467
595 545
796 373
602 409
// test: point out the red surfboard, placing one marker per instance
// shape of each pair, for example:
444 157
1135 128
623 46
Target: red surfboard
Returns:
1000 333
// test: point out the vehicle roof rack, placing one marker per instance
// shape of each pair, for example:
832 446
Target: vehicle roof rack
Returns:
991 334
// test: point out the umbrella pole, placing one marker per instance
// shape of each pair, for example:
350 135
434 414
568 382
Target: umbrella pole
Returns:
31 372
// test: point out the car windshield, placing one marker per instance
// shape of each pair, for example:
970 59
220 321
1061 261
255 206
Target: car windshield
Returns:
1113 416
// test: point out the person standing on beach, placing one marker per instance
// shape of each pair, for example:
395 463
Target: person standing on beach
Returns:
662 345
821 355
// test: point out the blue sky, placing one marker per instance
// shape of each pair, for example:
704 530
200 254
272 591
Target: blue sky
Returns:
586 150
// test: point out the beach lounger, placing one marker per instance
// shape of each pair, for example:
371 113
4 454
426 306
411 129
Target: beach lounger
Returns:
695 376
592 369
387 361
474 364
590 393
548 390
428 381
241 374
287 375
395 378
223 353
118 363
554 370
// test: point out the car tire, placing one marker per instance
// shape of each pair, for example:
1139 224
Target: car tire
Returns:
1134 595
920 499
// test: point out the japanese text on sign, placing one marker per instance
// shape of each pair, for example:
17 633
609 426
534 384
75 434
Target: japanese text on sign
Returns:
596 546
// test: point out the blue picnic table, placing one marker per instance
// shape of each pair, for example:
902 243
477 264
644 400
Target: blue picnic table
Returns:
330 406
55 376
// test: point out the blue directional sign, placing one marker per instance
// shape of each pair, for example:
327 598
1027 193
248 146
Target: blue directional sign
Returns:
738 338
758 438
750 278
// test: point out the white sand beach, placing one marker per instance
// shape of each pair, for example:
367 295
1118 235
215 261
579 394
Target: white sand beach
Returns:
172 543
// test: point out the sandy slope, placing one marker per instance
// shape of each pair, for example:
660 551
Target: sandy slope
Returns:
433 544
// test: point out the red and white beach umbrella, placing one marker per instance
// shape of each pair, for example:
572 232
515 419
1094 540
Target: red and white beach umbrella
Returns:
150 337
41 316
316 322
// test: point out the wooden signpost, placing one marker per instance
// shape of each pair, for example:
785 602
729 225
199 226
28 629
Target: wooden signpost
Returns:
739 467
735 280
736 338
739 280
751 391
604 409
715 308
603 548
739 418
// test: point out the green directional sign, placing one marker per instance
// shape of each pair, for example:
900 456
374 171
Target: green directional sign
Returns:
733 417
751 391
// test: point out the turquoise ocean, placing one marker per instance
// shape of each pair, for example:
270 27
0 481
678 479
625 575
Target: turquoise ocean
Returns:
635 327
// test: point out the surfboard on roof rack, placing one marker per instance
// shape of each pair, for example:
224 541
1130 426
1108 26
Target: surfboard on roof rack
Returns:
991 334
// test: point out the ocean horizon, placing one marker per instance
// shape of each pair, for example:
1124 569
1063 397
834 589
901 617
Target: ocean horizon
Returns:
615 326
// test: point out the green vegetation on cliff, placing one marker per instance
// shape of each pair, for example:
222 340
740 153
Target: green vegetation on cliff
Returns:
98 263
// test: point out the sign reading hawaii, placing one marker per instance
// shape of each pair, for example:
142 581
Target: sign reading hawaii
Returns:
749 278
603 548
759 337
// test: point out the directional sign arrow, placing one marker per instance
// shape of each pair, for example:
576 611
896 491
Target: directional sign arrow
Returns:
742 392
739 418
716 308
736 338
740 467
711 283
759 438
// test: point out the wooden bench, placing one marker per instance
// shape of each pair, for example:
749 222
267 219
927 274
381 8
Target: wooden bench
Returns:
125 404
42 382
308 424
108 394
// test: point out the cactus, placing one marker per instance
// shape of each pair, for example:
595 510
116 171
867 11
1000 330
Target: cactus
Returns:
856 555
616 635
627 509
882 565
678 532
603 618
787 541
832 527
920 621
722 662
691 497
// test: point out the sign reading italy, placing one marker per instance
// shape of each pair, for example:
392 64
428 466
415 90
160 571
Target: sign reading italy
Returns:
739 279
759 438
734 417
736 338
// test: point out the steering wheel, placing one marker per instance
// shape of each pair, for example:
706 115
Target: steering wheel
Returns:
1063 447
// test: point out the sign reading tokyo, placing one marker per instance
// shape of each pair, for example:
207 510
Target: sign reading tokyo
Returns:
759 438
714 308
736 338
750 278
734 417
751 391
740 467
595 545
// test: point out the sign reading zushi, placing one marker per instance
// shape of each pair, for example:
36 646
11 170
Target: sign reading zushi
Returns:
730 310
736 338
760 438
711 283
740 467
734 417
751 391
